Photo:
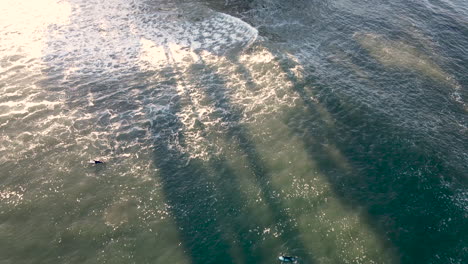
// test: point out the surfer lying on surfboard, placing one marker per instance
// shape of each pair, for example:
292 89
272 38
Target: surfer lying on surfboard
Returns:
96 162
287 259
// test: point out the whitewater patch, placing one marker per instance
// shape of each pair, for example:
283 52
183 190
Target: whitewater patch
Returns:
71 49
110 36
192 77
216 93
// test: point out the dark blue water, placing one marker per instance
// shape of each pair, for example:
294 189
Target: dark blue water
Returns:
233 131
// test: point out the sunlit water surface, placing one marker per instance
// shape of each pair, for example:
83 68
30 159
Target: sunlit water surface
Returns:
233 131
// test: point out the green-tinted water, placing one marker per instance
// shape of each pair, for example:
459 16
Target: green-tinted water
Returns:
233 131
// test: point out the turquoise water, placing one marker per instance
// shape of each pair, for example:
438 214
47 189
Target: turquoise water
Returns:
233 131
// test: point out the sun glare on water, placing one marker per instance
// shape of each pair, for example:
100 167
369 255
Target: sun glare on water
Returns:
26 23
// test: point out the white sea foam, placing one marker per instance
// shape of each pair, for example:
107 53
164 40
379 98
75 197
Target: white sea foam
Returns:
104 41
107 39
119 34
218 92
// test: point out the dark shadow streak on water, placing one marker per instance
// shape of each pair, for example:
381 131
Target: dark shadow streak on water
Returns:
190 195
205 201
400 204
398 183
204 222
262 176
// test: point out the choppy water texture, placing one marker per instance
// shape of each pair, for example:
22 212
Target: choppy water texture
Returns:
233 131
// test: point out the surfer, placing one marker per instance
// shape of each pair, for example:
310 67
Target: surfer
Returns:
287 259
96 162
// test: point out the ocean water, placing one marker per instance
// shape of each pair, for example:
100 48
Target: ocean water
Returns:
233 131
